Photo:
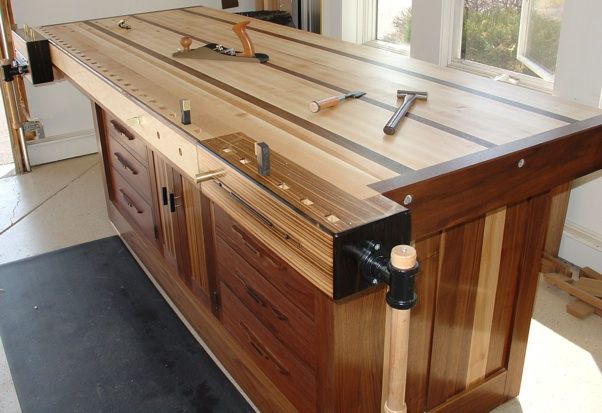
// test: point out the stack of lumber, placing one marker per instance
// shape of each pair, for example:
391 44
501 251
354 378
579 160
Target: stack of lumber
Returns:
587 290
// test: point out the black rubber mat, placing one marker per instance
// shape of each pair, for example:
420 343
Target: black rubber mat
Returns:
84 330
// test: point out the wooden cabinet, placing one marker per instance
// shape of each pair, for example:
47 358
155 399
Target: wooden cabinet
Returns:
268 308
128 175
158 202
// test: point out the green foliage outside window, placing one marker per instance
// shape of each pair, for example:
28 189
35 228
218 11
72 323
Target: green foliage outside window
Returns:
490 34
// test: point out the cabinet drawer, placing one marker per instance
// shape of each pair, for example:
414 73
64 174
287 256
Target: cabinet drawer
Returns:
132 205
134 172
279 315
290 283
292 377
126 137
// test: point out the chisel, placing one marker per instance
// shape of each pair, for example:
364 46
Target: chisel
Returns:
317 105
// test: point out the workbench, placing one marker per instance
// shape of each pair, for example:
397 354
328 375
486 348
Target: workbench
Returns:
259 265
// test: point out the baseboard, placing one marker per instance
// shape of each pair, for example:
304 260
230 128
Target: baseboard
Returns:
56 148
581 246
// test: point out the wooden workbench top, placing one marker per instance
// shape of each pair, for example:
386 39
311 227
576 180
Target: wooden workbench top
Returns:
458 151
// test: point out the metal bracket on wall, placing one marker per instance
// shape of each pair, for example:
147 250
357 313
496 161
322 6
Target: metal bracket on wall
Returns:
34 126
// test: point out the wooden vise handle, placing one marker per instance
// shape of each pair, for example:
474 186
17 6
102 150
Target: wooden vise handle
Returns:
403 257
241 32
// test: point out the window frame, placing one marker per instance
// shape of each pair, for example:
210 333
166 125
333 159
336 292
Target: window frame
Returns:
523 39
508 76
369 17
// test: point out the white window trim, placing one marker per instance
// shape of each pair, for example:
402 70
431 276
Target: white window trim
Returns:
367 24
454 60
523 38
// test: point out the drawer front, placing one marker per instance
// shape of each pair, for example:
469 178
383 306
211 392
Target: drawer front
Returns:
308 249
119 132
293 378
290 283
132 170
132 205
279 315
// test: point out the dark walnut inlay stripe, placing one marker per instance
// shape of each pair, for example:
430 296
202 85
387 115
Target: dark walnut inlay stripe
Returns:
417 118
303 123
463 88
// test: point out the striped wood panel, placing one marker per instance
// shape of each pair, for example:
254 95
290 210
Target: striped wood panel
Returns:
468 326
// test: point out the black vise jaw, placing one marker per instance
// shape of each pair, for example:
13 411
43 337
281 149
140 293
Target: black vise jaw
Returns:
377 268
12 69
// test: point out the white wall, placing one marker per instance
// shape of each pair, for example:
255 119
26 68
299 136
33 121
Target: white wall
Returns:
61 107
579 78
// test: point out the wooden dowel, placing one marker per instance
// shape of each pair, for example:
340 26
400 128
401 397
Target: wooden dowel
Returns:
403 257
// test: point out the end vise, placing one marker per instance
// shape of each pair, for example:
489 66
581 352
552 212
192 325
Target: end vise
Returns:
32 52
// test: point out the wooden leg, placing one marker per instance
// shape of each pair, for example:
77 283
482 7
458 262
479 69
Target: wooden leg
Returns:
398 361
403 258
558 207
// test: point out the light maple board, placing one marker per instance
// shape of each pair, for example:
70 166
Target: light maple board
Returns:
467 120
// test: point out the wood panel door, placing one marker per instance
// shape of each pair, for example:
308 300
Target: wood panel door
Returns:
183 223
172 217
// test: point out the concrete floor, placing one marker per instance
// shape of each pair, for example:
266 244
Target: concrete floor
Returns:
62 204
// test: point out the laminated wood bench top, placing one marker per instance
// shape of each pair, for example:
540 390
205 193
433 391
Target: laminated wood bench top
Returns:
475 144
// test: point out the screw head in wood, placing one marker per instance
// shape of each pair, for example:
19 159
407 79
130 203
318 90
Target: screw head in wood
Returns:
521 163
408 199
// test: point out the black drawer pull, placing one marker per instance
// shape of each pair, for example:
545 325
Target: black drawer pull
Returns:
172 203
122 131
263 351
251 292
129 202
278 314
248 243
125 163
164 195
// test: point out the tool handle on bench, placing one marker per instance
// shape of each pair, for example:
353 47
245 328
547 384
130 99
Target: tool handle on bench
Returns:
318 105
241 32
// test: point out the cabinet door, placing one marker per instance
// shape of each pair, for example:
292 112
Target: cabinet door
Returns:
200 240
172 216
184 240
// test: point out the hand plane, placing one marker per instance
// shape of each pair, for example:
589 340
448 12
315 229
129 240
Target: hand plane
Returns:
214 51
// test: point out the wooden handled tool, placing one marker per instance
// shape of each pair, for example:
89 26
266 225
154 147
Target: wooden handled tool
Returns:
403 258
185 42
329 102
408 100
241 32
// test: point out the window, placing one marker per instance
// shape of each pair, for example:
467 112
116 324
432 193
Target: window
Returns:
394 24
516 40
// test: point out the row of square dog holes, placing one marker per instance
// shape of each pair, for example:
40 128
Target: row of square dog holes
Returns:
305 201
171 114
331 217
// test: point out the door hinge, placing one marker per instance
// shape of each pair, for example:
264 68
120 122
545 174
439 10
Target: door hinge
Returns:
215 300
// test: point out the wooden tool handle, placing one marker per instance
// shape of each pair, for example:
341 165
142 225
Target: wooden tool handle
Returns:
403 257
317 105
241 32
185 42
